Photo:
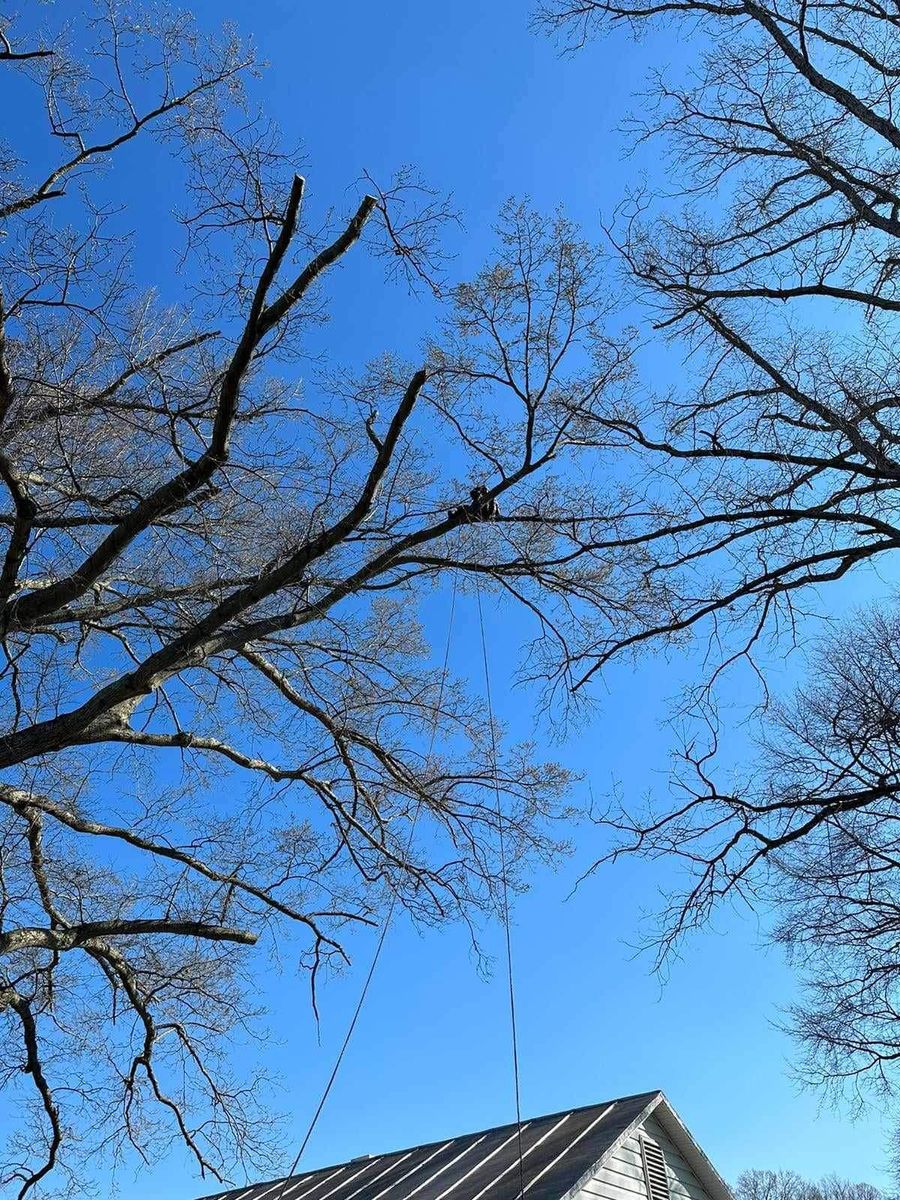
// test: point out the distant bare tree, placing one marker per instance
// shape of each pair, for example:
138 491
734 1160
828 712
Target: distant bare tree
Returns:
788 1185
772 1185
217 696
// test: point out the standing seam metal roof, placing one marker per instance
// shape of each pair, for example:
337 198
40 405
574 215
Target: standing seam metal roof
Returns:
557 1152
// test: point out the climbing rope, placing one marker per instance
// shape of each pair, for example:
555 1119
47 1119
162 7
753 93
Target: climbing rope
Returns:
379 945
504 894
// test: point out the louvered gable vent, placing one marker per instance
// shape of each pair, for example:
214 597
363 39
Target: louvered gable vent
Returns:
655 1173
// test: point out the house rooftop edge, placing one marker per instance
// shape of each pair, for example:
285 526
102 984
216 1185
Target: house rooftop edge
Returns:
652 1094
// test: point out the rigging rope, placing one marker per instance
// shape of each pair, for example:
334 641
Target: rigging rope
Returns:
379 945
504 895
504 881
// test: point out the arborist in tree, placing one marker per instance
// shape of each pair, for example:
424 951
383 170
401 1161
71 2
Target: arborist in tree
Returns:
482 508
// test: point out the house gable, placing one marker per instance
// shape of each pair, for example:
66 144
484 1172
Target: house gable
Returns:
622 1171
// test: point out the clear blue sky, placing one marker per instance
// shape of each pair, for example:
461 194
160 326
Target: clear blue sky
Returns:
485 108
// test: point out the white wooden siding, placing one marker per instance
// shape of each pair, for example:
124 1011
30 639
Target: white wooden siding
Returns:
622 1175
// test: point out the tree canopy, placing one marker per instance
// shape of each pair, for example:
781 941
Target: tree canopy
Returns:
222 722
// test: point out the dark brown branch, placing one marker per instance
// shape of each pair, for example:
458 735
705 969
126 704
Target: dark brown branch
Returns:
76 936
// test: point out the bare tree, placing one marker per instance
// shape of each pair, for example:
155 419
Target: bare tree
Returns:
788 1185
757 1184
811 826
222 722
775 463
774 471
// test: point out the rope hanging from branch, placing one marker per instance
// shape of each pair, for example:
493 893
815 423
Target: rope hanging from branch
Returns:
504 894
504 902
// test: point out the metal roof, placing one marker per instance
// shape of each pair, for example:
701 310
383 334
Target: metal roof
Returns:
557 1152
